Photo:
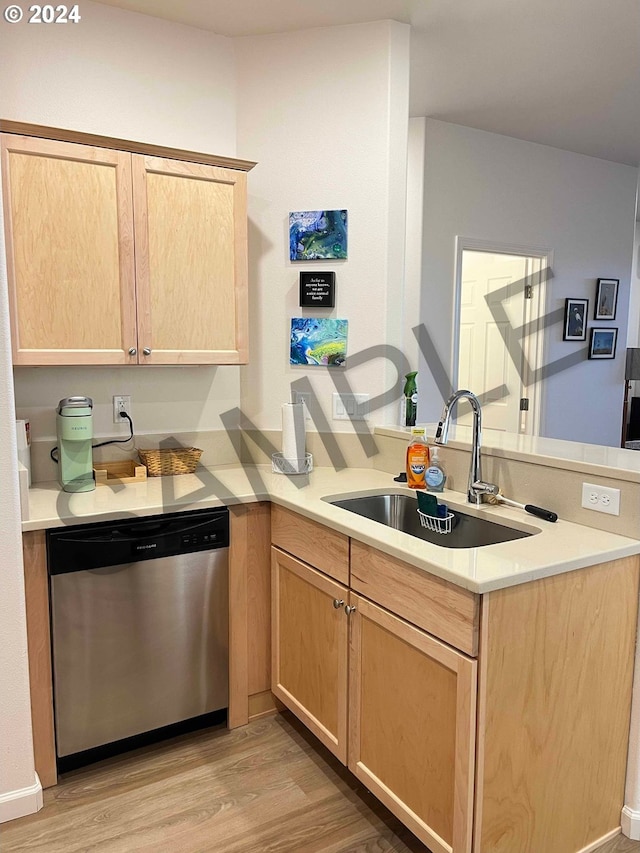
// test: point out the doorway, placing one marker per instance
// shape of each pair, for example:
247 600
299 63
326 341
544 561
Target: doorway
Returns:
498 340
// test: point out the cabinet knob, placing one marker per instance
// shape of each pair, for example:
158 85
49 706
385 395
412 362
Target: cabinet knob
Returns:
338 603
349 609
146 351
133 351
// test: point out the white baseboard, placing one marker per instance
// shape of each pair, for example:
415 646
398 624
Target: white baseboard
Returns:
22 802
630 822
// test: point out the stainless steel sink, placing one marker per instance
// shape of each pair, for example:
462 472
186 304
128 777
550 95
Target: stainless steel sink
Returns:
400 512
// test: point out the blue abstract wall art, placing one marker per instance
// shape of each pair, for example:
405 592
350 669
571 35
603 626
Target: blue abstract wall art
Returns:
321 342
317 234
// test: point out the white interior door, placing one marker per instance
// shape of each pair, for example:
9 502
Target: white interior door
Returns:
493 313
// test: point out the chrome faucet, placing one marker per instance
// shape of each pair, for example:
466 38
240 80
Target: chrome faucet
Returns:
476 487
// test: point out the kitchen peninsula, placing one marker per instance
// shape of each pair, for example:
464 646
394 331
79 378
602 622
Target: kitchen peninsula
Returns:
528 639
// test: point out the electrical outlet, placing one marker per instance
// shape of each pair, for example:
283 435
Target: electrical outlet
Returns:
121 404
601 498
303 397
350 407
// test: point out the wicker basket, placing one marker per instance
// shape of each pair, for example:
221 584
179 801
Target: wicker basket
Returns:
170 460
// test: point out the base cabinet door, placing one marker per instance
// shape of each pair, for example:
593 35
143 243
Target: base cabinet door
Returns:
412 712
309 648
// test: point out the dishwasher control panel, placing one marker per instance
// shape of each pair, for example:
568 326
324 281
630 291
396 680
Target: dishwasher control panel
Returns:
94 546
201 539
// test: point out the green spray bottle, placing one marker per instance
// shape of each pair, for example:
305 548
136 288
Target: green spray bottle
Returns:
410 399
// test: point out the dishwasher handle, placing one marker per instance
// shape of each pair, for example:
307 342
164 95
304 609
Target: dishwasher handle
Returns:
133 532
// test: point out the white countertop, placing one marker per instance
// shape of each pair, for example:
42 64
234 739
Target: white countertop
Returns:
554 549
596 459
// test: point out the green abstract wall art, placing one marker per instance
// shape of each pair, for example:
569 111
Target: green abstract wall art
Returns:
317 234
321 342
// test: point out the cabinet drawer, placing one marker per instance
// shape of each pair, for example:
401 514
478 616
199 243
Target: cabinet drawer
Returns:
312 542
443 609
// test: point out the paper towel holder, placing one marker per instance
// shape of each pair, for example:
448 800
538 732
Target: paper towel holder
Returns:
280 465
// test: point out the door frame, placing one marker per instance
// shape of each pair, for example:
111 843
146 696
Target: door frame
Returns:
533 344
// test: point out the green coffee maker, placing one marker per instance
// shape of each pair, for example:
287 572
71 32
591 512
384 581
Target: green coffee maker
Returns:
74 426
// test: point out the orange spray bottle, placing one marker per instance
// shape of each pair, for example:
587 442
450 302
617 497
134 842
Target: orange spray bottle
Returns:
417 459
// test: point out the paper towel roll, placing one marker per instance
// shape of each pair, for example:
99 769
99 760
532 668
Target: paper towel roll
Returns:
23 438
293 438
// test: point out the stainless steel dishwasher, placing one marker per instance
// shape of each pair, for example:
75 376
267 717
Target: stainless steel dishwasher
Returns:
139 613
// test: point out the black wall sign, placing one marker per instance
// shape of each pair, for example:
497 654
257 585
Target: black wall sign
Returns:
317 289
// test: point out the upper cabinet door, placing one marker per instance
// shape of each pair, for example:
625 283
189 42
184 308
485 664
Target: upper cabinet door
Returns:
191 262
70 258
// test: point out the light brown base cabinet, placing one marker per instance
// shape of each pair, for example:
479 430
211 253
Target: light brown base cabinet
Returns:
487 724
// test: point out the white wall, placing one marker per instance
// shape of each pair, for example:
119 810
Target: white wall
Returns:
20 791
325 113
164 398
633 333
413 238
126 75
492 187
118 73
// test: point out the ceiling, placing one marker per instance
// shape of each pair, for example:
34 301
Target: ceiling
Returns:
560 72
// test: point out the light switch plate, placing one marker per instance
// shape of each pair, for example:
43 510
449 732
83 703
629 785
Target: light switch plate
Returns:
350 407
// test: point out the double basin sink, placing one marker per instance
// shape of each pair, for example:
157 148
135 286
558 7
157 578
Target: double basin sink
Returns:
399 511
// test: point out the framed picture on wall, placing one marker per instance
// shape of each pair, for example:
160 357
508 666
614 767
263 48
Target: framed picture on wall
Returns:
603 343
575 319
606 299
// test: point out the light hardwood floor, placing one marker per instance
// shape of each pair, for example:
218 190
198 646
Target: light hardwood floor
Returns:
269 787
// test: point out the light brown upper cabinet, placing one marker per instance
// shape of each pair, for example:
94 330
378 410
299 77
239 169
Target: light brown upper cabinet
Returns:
70 258
116 257
191 262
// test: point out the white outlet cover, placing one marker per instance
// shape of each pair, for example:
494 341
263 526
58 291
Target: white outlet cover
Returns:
601 499
121 402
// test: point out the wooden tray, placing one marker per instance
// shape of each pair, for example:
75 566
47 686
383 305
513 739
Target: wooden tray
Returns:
127 471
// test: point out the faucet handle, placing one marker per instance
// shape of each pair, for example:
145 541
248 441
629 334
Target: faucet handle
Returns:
442 432
482 488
